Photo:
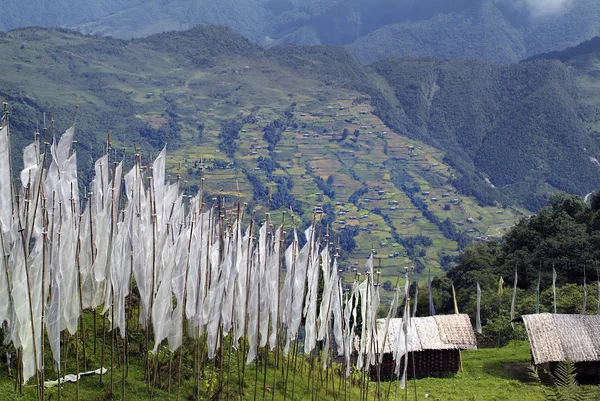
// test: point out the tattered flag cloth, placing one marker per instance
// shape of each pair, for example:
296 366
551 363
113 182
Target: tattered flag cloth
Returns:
514 301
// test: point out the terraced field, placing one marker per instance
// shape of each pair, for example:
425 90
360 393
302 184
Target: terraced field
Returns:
315 149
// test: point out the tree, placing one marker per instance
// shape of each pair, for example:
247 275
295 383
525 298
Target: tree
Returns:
230 131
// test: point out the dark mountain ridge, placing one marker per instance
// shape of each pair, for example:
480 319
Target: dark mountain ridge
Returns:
497 30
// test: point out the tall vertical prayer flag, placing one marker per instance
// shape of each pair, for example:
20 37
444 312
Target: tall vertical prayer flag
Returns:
598 284
584 306
414 313
432 306
478 317
554 287
537 293
514 300
454 299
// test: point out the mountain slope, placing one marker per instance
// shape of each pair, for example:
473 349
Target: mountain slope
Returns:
288 127
476 32
496 30
520 125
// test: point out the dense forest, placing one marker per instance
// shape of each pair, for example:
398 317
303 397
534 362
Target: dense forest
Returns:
490 119
563 237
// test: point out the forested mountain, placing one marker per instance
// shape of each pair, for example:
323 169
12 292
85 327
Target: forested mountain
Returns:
528 127
496 30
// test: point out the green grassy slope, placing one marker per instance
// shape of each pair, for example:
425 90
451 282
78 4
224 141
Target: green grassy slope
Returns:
488 374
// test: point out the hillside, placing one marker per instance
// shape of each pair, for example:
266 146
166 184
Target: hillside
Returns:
292 127
528 127
496 30
411 157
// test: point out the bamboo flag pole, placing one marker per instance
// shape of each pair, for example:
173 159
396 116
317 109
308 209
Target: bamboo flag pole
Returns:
8 282
198 300
112 341
64 334
257 269
153 218
10 163
124 367
598 285
33 331
44 249
291 270
203 344
43 298
187 270
266 350
79 286
79 293
369 331
51 286
25 252
278 324
248 265
107 282
93 259
28 235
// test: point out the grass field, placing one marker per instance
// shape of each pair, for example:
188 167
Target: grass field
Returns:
488 374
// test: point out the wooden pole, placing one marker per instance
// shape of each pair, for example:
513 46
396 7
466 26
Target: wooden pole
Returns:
9 284
183 306
79 285
43 300
112 343
26 255
278 325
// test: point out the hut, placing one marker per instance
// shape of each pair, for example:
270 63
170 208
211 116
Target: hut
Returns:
434 345
556 337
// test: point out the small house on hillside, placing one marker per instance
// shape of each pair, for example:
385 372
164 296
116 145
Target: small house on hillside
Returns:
434 345
555 337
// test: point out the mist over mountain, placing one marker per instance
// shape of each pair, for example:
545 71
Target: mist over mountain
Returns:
496 30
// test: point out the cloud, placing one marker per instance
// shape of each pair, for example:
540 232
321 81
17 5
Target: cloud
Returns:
541 8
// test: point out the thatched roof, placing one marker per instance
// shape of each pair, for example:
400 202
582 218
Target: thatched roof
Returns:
554 337
457 329
429 333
